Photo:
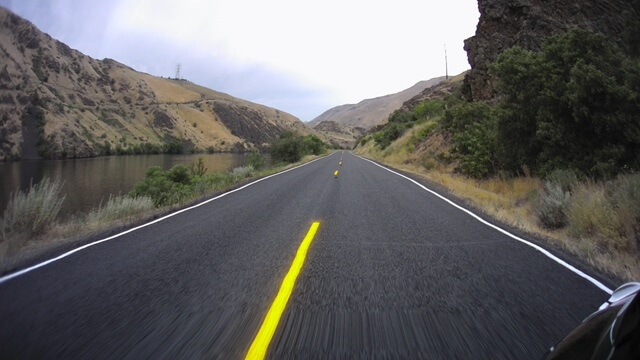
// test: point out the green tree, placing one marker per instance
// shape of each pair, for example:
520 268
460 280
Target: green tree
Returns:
313 145
429 109
288 148
402 117
473 129
571 105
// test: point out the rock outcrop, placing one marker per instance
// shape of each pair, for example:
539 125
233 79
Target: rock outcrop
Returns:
505 23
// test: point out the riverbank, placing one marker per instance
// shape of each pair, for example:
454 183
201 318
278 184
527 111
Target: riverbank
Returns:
89 182
18 250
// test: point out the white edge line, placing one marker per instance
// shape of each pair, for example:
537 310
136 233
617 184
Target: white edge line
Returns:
59 257
540 249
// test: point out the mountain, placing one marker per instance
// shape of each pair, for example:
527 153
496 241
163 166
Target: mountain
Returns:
505 23
56 102
371 112
343 136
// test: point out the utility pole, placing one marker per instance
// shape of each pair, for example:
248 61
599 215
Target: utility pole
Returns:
446 65
178 68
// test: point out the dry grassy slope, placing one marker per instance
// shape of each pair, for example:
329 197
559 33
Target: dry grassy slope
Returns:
371 112
88 102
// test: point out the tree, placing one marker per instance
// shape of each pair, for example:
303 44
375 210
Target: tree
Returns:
571 105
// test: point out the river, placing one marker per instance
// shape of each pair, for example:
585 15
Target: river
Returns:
88 182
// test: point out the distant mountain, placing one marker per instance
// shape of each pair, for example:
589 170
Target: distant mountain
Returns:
337 134
371 112
55 102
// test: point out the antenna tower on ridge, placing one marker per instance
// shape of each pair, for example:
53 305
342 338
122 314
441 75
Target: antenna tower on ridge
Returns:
446 65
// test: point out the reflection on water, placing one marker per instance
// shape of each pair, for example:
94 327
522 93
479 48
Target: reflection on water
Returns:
87 182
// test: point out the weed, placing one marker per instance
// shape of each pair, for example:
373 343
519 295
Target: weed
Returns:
242 172
120 208
552 205
31 212
592 214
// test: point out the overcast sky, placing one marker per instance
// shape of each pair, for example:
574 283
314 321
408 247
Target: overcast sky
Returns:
299 56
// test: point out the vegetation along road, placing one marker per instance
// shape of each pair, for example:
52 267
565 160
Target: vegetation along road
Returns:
364 264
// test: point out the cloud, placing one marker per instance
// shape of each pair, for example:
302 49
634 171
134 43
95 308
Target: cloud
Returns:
302 57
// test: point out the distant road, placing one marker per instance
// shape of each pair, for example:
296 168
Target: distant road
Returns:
392 272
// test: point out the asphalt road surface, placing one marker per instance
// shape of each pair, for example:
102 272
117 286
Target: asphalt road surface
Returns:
393 272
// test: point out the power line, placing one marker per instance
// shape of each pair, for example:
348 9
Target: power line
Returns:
178 68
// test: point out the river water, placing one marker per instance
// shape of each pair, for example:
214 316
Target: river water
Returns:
88 182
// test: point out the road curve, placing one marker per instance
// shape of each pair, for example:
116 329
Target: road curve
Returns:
393 272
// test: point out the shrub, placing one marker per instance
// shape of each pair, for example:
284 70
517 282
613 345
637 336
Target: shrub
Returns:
552 206
31 212
255 160
388 134
429 109
401 117
626 197
312 145
242 172
567 179
592 214
210 150
197 167
174 147
288 148
119 208
179 174
160 185
473 128
571 105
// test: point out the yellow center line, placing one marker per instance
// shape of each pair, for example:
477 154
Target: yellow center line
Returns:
260 344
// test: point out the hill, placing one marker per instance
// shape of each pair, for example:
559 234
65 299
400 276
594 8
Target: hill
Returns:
343 136
372 112
57 102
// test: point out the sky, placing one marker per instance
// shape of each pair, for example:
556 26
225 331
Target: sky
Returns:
302 57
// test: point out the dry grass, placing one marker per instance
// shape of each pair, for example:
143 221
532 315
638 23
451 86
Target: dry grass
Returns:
120 208
603 220
170 91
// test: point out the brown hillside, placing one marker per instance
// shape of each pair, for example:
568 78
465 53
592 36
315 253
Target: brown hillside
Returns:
344 124
372 112
343 136
56 102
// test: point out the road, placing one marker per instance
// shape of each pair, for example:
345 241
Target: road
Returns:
392 272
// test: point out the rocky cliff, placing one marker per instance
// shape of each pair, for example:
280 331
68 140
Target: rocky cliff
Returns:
56 102
505 23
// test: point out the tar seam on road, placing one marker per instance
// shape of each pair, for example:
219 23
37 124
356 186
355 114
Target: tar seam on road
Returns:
59 257
258 348
595 282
